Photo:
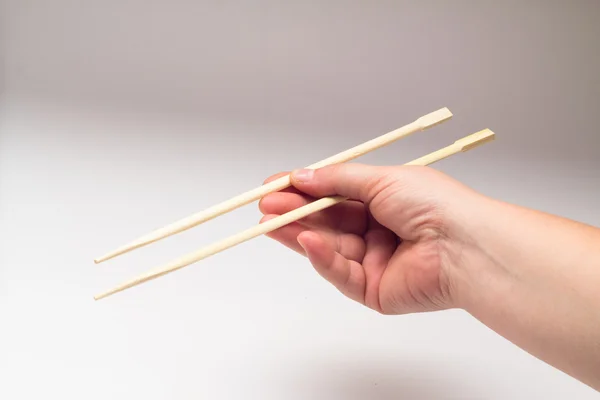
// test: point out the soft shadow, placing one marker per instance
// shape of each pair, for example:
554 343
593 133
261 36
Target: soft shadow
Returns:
374 379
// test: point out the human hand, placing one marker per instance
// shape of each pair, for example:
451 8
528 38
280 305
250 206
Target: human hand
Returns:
412 239
392 247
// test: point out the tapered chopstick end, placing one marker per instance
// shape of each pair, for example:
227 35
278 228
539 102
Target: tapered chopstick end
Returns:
117 252
100 296
103 258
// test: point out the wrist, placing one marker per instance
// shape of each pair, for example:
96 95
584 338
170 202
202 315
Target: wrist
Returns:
472 266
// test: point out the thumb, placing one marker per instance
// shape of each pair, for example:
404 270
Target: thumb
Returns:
355 181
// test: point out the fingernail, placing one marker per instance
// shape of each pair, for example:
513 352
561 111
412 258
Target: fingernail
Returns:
301 244
303 175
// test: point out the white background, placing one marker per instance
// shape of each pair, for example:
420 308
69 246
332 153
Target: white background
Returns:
119 117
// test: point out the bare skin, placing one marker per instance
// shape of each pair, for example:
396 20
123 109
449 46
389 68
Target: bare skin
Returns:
412 239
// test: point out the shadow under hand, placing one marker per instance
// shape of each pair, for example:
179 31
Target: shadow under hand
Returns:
375 379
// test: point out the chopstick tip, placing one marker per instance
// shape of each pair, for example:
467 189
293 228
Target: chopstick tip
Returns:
102 295
105 257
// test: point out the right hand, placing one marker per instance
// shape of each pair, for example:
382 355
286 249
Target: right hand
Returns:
394 246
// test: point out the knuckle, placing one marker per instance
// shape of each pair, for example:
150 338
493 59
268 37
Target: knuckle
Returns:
381 183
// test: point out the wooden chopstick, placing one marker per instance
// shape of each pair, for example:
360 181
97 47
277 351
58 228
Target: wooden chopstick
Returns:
460 145
422 123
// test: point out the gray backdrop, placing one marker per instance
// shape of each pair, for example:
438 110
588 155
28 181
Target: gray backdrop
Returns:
121 116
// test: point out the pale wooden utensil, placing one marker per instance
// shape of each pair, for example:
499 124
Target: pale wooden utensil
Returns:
425 122
460 145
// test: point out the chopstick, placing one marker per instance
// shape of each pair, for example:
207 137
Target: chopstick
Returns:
427 121
461 145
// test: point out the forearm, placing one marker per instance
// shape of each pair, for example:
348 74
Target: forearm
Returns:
535 279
